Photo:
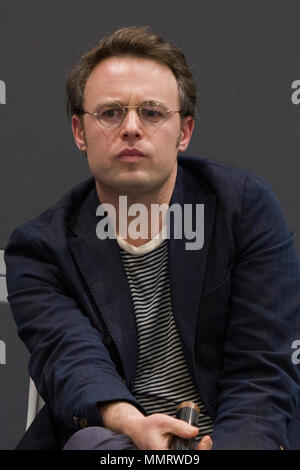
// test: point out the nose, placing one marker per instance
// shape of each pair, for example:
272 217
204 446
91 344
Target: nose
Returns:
132 127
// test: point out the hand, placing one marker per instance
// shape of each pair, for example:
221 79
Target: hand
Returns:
155 432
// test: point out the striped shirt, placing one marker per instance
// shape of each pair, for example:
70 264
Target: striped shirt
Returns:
162 378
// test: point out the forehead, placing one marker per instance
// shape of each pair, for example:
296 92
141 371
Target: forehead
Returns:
130 80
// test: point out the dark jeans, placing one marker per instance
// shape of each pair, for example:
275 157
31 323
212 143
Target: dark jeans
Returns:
98 438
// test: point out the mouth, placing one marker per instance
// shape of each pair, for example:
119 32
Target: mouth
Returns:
131 155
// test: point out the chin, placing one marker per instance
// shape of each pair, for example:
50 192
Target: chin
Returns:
134 184
134 187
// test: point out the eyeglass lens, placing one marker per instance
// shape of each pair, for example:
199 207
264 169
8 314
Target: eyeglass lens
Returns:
113 114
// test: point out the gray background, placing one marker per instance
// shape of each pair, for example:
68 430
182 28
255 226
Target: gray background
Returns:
244 54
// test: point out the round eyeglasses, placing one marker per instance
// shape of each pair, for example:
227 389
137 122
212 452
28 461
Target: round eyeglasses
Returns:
113 114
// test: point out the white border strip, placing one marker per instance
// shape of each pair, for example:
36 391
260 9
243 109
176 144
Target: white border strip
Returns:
3 288
35 403
2 264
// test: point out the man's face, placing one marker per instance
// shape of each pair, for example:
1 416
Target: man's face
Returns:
132 81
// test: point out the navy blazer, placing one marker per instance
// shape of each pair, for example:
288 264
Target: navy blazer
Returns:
236 304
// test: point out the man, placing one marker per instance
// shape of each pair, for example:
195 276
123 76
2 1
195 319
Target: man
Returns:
122 329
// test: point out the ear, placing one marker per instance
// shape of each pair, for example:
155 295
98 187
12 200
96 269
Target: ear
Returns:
78 132
187 128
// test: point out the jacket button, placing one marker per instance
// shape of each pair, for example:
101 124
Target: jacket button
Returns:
75 420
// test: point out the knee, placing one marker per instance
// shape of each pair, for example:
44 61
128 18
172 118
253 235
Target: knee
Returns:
90 438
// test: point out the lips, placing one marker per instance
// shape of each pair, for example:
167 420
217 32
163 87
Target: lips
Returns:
129 153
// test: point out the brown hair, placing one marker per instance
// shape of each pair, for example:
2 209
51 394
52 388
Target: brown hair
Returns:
137 42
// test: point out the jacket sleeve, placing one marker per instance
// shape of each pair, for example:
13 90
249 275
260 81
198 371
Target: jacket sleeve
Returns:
259 382
71 367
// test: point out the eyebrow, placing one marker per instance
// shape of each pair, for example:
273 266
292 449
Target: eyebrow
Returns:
111 101
106 102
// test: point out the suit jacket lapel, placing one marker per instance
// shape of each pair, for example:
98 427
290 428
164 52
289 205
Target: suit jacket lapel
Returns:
187 267
100 264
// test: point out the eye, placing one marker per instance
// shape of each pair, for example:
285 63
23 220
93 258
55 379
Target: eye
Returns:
153 111
110 112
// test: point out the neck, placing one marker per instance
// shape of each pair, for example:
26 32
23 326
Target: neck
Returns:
146 219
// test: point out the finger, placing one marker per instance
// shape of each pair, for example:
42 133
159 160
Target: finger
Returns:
179 428
184 430
205 443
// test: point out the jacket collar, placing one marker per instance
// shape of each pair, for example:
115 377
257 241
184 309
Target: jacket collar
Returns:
99 262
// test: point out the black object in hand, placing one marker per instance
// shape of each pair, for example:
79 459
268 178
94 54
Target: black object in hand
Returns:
188 411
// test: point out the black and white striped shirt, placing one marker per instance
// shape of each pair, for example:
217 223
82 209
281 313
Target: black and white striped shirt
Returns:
162 379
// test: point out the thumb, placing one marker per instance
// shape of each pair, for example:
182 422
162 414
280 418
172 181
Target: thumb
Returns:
205 443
